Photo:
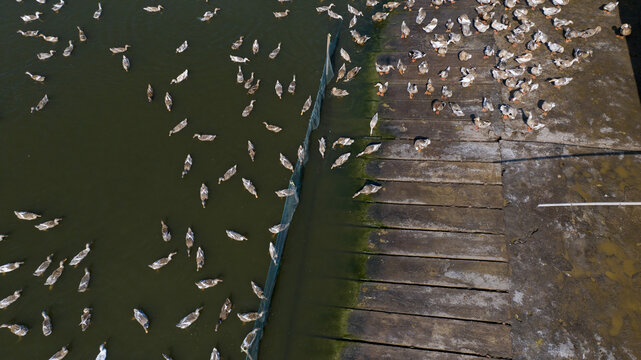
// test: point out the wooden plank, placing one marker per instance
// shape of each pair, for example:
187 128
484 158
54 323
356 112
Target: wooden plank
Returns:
437 218
443 130
441 150
431 333
483 275
464 304
435 171
438 244
488 196
364 351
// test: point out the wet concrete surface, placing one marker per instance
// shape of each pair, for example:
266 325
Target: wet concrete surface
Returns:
575 271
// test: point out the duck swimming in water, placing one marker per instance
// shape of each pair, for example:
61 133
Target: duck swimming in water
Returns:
125 63
343 141
45 55
41 104
285 162
224 313
150 93
249 317
189 240
80 256
161 262
236 44
142 319
60 354
274 53
153 8
204 194
58 6
96 15
118 50
16 329
26 215
43 267
281 14
189 319
29 33
341 160
200 259
251 150
215 354
286 192
67 51
168 101
235 236
4 303
247 184
257 290
181 125
204 137
272 128
51 39
85 319
208 15
255 47
239 76
84 281
279 89
248 109
339 92
182 47
6 268
164 231
352 73
102 352
228 174
273 254
254 88
248 341
321 147
30 18
278 228
55 275
46 324
81 34
292 85
207 283
48 224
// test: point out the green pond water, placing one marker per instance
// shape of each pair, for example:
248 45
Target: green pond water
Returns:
98 156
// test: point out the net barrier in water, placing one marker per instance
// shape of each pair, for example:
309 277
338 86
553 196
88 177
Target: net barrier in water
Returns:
291 202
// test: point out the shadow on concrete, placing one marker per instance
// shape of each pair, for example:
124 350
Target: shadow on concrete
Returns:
616 153
630 11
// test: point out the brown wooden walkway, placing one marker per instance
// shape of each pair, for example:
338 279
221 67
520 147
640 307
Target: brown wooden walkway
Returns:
437 278
438 281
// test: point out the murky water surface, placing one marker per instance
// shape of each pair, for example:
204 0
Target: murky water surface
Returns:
98 156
